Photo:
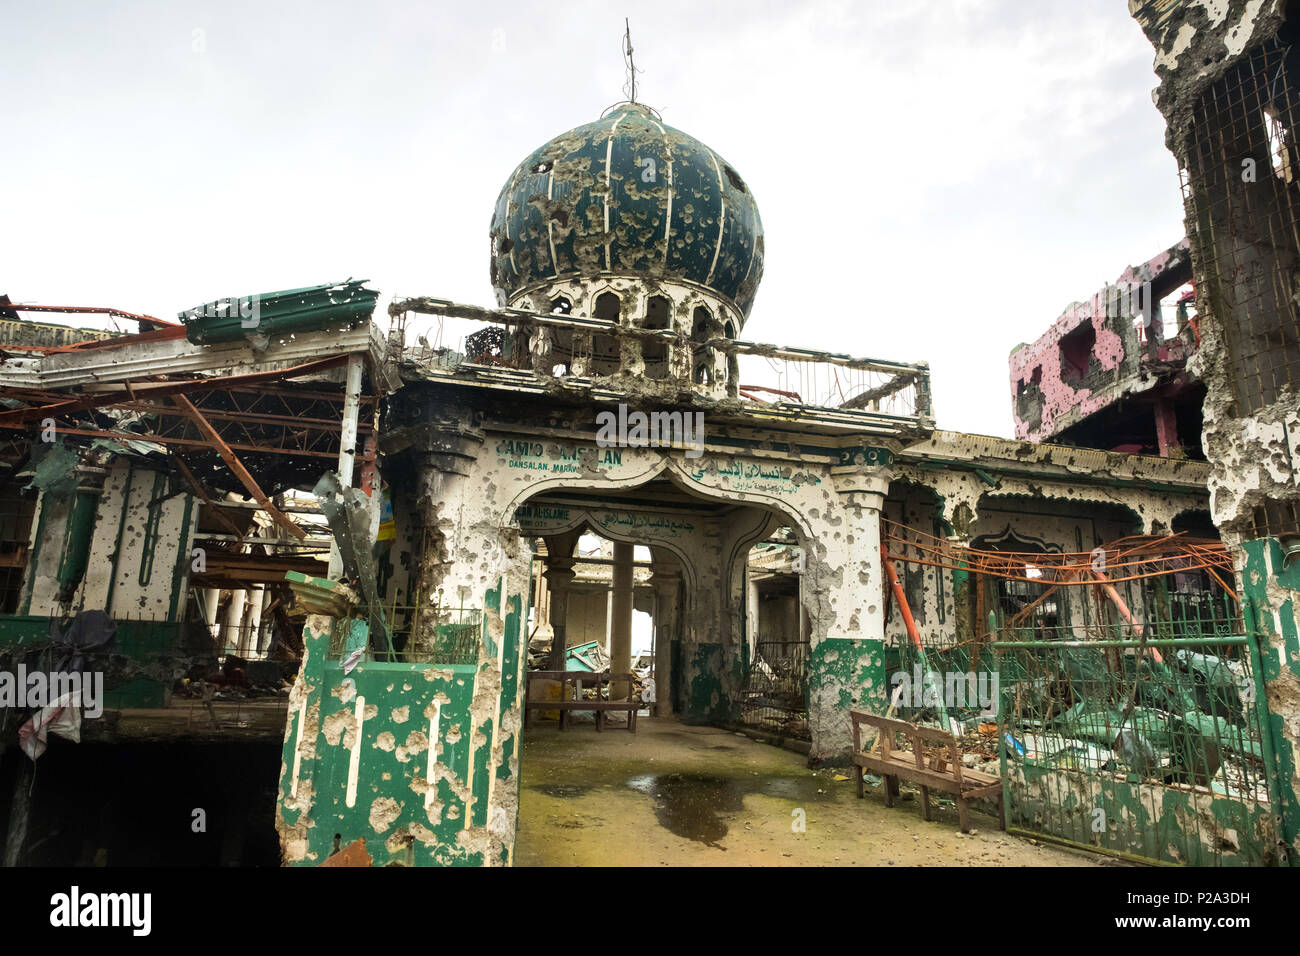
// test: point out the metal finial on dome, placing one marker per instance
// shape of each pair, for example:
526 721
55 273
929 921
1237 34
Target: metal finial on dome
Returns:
629 88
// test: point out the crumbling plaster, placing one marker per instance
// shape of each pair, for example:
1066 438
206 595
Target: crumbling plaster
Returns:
1117 350
470 497
1195 42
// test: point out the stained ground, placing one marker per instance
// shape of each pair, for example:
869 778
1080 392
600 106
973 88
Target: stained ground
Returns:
674 795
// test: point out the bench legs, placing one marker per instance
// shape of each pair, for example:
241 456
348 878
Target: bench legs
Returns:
963 817
891 790
859 771
925 802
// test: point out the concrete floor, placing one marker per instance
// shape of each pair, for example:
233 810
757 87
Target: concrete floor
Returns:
675 795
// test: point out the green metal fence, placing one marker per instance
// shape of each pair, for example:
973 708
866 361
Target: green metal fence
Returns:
1148 744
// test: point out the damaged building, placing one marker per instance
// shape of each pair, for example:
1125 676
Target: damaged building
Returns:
364 554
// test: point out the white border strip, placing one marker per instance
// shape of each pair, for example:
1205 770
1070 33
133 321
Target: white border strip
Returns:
354 765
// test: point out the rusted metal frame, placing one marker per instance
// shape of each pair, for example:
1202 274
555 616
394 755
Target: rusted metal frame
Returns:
305 405
194 483
237 416
189 442
29 395
236 466
1223 584
900 596
773 391
307 441
1020 616
164 323
334 398
284 436
21 415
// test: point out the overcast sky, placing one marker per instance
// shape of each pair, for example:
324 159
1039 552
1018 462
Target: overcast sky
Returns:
937 180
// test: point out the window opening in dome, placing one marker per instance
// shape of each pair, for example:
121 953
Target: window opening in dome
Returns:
656 312
561 306
545 166
655 354
735 178
608 307
733 363
704 327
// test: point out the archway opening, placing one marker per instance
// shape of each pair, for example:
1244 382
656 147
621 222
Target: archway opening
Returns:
774 699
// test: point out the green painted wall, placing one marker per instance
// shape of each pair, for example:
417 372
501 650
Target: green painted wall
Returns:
1144 820
848 673
1269 588
469 714
706 702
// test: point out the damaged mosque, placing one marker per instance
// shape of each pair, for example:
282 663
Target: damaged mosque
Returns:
344 573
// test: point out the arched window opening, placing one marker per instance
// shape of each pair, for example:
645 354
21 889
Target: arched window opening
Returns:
609 307
703 328
655 354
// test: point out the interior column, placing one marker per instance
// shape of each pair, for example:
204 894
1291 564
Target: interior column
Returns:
620 631
665 583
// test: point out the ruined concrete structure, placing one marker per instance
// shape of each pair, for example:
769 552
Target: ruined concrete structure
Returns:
395 520
1112 373
1230 93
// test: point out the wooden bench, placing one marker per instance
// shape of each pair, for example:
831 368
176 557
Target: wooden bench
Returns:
571 700
943 771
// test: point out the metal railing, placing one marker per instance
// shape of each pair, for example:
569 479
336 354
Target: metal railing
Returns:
515 345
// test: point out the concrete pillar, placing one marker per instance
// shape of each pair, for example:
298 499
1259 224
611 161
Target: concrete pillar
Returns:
559 576
211 604
230 634
348 442
620 628
666 582
846 662
1167 428
257 600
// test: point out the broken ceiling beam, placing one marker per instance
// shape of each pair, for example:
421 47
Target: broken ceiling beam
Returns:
149 438
147 319
233 463
135 393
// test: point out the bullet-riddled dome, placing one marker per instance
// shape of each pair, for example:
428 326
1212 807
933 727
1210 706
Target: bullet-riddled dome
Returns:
627 196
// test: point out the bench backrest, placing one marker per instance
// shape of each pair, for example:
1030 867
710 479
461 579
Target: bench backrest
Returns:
917 736
598 680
